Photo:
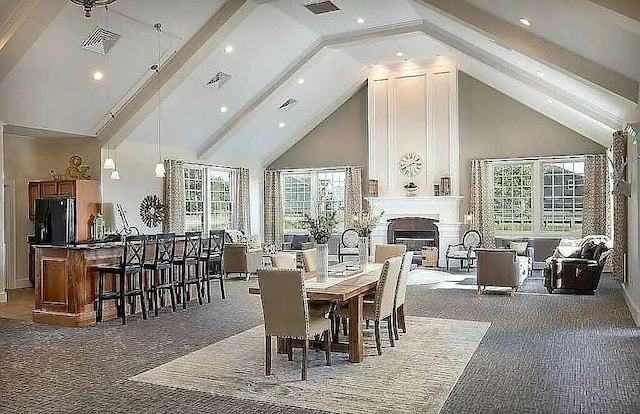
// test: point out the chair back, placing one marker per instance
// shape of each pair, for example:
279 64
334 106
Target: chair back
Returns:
165 248
134 251
350 238
234 258
498 267
385 251
472 239
283 261
284 303
401 290
215 245
310 260
386 290
192 245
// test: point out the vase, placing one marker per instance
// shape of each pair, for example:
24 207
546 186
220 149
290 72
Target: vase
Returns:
322 273
363 251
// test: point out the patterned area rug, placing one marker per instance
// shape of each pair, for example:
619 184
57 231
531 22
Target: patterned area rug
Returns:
416 375
422 276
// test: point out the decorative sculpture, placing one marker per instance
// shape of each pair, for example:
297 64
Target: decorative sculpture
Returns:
151 210
76 169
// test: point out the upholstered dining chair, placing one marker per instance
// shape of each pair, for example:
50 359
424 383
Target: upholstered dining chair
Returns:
310 260
286 314
284 261
401 292
385 251
382 308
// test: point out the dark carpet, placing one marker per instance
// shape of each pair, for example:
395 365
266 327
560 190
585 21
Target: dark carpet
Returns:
543 353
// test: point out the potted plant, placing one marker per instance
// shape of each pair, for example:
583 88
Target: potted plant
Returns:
364 224
321 228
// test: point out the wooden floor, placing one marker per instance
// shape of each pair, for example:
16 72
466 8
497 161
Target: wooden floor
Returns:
19 304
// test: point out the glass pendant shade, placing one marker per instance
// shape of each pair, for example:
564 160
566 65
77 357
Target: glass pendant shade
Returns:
160 170
115 175
109 164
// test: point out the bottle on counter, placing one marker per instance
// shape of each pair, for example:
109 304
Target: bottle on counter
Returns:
99 224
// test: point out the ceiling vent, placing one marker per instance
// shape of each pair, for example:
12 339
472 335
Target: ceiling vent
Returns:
218 80
321 7
288 104
100 41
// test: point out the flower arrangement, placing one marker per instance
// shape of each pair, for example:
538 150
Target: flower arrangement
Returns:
322 227
365 222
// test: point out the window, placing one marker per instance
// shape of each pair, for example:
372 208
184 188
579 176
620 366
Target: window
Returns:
539 196
208 204
308 192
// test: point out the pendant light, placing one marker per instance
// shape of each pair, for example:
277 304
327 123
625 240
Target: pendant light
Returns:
159 170
109 162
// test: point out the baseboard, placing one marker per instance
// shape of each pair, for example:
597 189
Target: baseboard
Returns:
3 297
633 308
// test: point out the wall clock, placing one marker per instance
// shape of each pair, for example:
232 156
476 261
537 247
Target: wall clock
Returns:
410 164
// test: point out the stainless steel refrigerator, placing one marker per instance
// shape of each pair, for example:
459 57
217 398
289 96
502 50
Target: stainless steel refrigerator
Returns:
55 221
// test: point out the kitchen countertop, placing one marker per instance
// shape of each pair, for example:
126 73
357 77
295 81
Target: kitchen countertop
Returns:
81 246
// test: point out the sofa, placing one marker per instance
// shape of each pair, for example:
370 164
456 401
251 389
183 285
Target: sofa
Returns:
576 264
502 268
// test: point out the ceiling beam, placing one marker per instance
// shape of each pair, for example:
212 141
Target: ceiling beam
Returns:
537 47
176 69
624 13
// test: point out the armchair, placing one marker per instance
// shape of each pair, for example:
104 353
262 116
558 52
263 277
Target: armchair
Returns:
465 251
499 267
238 258
577 264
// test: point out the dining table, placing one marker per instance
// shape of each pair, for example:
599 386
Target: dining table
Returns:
345 284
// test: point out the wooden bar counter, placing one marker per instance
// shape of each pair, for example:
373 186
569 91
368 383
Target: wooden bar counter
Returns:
66 282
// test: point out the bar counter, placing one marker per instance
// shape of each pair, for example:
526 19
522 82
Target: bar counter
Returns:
66 282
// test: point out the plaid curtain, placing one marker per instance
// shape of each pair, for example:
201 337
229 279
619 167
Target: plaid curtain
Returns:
595 213
482 201
174 196
273 211
242 219
353 195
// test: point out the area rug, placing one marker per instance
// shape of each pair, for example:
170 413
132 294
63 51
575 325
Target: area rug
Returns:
416 375
423 276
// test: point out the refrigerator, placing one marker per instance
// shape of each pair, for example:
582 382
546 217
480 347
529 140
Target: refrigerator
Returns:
55 221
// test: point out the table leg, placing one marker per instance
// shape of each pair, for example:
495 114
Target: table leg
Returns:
356 341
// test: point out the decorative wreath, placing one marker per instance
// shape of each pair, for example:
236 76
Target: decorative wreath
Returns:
151 210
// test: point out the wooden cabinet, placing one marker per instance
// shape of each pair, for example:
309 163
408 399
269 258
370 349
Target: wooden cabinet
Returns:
86 193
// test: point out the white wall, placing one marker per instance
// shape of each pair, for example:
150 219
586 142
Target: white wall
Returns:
632 287
136 162
3 276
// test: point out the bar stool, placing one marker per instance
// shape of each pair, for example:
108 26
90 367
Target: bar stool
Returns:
212 262
130 266
188 261
161 272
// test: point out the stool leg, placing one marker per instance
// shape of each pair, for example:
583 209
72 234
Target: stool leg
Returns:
183 270
100 294
198 283
143 307
122 297
222 285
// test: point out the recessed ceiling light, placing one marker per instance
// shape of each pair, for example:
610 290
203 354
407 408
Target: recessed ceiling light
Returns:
360 20
281 125
228 49
97 75
405 60
438 56
375 63
541 74
525 21
223 109
399 54
300 81
549 100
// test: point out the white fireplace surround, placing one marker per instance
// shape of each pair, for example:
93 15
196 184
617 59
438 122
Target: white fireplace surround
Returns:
445 209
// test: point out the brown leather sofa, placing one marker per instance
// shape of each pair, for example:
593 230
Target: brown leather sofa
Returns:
581 270
499 267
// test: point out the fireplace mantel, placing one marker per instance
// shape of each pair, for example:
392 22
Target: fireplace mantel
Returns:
444 208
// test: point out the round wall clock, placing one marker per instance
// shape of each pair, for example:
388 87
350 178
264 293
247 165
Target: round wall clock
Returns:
410 164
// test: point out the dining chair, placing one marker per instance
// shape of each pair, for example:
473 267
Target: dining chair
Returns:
286 314
283 261
211 259
310 260
385 251
401 292
161 272
126 271
381 308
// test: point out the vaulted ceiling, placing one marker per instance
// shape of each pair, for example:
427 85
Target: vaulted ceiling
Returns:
578 63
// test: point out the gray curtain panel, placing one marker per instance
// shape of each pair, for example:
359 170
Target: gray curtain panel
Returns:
619 148
242 219
595 213
482 201
174 196
273 212
353 195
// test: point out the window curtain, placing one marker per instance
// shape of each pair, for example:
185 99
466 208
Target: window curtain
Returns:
174 196
353 195
242 219
273 213
482 202
619 149
595 216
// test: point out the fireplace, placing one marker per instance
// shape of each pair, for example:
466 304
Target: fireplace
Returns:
414 232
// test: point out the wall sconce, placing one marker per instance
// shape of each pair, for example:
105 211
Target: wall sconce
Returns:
468 218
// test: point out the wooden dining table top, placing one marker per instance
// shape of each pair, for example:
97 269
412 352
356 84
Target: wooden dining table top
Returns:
345 288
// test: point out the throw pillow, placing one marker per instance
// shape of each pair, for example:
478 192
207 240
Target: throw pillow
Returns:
519 247
298 239
588 249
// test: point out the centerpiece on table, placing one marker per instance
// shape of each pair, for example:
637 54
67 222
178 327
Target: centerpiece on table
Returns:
321 228
364 224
